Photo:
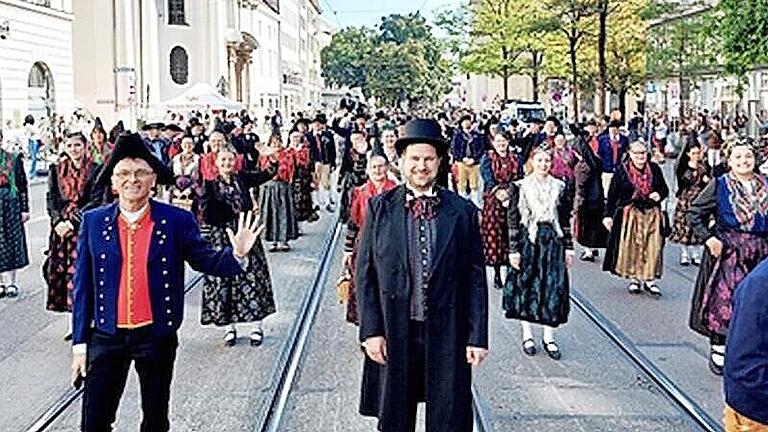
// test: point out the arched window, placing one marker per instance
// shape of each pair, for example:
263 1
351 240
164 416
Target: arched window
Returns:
176 12
179 65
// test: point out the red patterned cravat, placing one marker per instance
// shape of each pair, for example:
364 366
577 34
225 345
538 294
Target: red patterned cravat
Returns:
423 206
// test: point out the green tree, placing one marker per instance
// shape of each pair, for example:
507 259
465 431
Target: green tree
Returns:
400 62
344 60
625 50
680 44
742 27
572 19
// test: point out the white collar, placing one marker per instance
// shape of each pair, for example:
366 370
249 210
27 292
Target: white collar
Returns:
417 194
133 216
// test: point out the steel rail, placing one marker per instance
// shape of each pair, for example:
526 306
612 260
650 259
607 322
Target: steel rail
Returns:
71 395
677 395
293 349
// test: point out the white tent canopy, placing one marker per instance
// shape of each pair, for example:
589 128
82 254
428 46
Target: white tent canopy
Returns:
202 96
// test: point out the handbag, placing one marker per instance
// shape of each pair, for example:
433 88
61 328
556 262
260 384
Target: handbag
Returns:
343 286
666 227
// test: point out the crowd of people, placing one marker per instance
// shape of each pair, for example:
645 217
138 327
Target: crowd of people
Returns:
532 192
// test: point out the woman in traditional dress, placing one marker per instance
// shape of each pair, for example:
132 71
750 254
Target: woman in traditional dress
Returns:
388 138
352 172
208 168
302 178
278 212
378 182
247 297
14 212
692 176
69 191
634 218
735 243
186 172
589 201
563 161
541 248
100 148
498 168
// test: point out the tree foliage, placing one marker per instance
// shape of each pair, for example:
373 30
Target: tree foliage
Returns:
742 27
399 62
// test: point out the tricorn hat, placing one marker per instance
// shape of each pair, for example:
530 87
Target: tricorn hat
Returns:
131 146
173 128
422 131
153 125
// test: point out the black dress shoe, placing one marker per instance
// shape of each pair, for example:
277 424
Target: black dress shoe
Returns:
497 283
714 367
2 291
230 337
529 347
257 337
553 351
12 291
68 336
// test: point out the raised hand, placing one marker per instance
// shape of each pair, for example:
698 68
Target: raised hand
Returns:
248 231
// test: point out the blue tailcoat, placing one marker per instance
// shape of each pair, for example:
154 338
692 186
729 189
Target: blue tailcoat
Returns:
175 239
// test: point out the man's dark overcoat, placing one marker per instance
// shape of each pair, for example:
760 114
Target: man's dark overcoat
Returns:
457 311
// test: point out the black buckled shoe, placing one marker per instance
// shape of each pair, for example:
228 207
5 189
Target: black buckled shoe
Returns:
529 347
552 350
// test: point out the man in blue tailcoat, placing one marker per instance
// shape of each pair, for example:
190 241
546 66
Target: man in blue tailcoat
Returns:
128 296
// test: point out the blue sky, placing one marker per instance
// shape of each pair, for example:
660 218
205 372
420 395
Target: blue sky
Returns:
369 13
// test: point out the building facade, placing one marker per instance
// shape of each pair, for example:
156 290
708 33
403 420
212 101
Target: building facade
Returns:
36 76
152 51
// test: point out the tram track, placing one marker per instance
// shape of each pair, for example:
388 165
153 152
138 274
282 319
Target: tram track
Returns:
60 406
679 397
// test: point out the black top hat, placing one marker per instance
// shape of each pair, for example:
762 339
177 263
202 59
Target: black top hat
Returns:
422 131
154 125
615 123
173 128
130 145
320 118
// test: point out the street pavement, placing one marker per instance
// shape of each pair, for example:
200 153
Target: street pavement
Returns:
594 386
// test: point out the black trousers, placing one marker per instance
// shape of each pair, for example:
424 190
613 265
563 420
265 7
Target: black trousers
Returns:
109 359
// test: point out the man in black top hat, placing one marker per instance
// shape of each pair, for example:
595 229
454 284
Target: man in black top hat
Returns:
128 296
197 130
422 294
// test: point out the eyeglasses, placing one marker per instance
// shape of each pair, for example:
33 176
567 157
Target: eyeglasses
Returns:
140 174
